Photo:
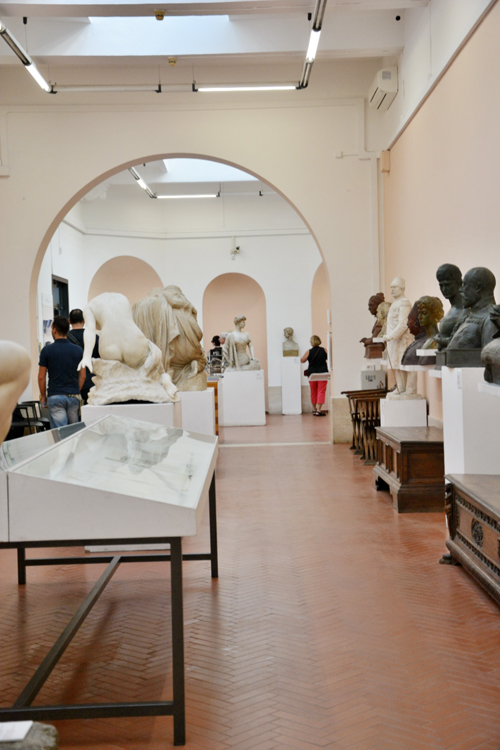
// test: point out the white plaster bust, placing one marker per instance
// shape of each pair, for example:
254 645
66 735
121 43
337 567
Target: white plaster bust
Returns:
290 347
235 348
398 338
14 377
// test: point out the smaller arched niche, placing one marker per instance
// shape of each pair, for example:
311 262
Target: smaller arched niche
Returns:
126 275
233 294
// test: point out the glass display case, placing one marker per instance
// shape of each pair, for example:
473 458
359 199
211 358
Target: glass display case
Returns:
117 478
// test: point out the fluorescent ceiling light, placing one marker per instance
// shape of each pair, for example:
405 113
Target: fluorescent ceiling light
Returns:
33 70
135 174
125 87
206 195
313 45
245 87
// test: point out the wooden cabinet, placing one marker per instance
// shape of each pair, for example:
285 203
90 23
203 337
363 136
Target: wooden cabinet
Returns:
473 509
410 465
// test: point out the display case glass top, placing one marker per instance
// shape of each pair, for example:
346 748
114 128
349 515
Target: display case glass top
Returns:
13 452
136 459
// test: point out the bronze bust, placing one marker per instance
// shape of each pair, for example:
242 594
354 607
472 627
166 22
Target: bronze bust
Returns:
374 350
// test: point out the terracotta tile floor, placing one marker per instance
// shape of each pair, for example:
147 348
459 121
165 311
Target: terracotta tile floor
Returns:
331 625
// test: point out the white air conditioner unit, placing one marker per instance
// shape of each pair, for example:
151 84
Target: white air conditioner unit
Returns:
383 89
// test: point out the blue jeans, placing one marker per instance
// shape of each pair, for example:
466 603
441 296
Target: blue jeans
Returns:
63 410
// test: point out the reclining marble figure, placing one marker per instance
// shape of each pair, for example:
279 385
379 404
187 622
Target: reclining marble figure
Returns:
169 320
130 367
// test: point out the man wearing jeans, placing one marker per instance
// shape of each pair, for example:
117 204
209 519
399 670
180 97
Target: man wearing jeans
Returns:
61 360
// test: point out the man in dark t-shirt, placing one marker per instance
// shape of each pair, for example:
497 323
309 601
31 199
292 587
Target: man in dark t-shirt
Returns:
76 337
61 360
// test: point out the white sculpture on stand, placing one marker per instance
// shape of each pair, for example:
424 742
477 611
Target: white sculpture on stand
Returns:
130 367
398 339
169 320
290 347
235 348
14 377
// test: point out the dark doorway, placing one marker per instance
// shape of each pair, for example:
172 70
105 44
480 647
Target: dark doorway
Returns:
61 296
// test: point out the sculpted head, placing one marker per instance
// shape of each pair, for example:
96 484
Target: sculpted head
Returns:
413 321
383 311
374 302
175 296
478 283
240 321
288 333
430 311
397 287
449 279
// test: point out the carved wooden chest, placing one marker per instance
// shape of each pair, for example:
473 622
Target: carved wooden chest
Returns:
410 465
473 509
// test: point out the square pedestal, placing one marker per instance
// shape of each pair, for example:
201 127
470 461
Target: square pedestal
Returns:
470 423
198 411
404 413
291 395
242 399
169 414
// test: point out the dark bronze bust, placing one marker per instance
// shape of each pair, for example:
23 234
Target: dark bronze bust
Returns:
374 350
430 312
476 329
410 356
491 352
450 282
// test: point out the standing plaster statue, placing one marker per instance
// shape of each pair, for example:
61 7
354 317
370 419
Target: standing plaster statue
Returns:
398 337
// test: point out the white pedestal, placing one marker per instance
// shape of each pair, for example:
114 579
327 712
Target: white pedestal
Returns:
242 399
470 423
291 397
198 411
404 413
169 414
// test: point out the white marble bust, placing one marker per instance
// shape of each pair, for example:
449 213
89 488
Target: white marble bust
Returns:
290 347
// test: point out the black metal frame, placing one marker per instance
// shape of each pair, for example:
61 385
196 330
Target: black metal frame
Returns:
22 709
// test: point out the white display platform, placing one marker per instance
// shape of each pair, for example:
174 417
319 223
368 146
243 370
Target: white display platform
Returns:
426 352
416 368
242 399
291 393
169 414
198 411
404 413
491 388
435 374
471 421
116 479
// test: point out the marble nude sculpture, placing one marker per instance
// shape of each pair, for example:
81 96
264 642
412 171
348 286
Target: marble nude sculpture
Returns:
290 347
476 329
374 350
130 367
490 355
235 348
398 336
430 312
169 320
14 377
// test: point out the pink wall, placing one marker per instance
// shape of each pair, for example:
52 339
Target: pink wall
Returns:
126 275
233 294
441 196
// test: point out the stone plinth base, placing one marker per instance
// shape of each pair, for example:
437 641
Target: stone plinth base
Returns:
403 413
198 411
242 399
291 396
115 383
169 415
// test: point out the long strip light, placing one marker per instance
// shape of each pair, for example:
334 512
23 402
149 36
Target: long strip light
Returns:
312 49
204 195
245 87
25 59
135 174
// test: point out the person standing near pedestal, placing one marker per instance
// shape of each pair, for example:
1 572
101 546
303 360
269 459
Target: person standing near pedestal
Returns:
398 337
317 359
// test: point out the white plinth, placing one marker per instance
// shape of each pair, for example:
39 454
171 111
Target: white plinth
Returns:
492 388
242 399
169 415
470 423
291 396
426 352
404 413
198 411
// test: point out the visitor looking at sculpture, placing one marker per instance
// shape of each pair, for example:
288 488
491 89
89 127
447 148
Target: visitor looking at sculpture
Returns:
61 361
317 359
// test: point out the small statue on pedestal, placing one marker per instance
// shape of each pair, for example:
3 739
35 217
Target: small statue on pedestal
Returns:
398 337
374 350
290 347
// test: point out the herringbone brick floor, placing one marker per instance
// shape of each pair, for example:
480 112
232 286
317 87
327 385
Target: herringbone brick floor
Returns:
331 625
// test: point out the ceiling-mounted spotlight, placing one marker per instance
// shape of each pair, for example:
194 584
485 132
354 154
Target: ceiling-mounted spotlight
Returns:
159 15
25 59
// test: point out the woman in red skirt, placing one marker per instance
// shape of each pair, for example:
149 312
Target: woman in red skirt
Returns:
317 359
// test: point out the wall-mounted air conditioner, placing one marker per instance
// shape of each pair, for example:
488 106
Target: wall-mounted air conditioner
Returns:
383 89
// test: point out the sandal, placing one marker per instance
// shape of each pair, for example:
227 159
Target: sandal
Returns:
321 413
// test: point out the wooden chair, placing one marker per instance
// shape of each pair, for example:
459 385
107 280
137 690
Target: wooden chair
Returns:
31 411
357 411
